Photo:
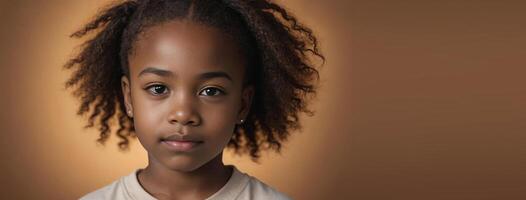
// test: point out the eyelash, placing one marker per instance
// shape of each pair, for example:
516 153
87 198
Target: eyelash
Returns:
151 89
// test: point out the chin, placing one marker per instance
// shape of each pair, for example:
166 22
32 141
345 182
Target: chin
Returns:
184 163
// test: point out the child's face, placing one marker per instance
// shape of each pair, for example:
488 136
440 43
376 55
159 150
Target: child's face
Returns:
186 83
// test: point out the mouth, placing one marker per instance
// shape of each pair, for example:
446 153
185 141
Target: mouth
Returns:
181 145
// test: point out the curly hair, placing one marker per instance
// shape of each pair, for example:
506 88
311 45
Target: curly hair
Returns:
279 51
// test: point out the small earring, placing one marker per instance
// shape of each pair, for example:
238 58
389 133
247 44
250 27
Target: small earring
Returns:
241 121
129 112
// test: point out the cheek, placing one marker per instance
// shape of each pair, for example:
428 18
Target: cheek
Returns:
147 111
147 120
146 116
220 119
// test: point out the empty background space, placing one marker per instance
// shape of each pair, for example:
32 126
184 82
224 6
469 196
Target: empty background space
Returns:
418 100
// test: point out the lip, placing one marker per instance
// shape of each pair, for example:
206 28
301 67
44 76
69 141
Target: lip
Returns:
181 145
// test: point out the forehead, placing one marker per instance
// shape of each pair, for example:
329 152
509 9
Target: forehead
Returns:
184 46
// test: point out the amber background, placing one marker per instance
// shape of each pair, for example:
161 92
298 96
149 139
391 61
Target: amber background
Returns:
420 100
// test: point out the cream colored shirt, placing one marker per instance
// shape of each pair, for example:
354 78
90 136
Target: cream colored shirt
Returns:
240 186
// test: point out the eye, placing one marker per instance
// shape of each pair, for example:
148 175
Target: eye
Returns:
157 89
211 91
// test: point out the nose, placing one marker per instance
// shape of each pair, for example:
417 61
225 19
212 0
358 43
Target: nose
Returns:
183 111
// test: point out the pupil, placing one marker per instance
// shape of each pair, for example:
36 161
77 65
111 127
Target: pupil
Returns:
159 89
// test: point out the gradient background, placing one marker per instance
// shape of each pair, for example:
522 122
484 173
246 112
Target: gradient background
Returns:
419 100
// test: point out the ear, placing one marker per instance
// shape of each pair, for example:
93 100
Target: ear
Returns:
126 91
246 102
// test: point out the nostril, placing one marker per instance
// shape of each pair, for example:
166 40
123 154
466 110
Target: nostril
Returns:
184 122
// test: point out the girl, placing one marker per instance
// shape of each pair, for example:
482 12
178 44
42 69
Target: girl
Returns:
189 78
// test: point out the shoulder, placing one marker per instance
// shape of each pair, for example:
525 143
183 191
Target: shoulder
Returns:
126 187
105 192
261 190
256 190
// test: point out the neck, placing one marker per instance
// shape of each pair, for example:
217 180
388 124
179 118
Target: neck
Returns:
202 182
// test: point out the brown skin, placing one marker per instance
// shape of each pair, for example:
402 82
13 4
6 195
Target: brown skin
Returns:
182 101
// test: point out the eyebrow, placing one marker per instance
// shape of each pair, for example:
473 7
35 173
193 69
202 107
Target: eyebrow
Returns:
215 74
203 76
156 71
